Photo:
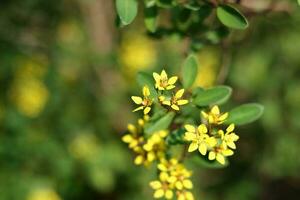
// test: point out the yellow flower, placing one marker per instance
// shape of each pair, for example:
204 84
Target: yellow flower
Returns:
173 176
184 195
214 116
162 189
155 146
145 102
219 153
162 82
180 177
133 138
176 100
229 137
199 138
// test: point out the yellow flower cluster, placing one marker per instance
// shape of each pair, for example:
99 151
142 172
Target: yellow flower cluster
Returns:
162 83
210 138
174 180
147 150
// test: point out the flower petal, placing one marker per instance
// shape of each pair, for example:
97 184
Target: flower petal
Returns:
193 146
175 107
211 155
190 128
127 138
138 108
223 116
230 128
147 110
167 102
136 99
169 194
158 193
156 77
202 149
179 93
202 129
220 158
215 110
169 87
164 75
190 136
155 185
172 80
182 102
187 184
146 91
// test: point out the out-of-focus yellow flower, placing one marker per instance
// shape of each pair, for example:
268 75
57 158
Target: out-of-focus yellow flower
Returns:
175 100
84 146
162 82
214 116
184 195
43 194
29 95
145 102
146 150
173 178
155 146
219 153
162 189
210 60
199 138
229 138
133 138
136 53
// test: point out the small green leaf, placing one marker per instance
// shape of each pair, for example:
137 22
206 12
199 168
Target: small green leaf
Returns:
231 17
161 124
213 96
245 114
189 72
127 10
151 15
146 79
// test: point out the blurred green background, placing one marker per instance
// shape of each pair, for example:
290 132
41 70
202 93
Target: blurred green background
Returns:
66 76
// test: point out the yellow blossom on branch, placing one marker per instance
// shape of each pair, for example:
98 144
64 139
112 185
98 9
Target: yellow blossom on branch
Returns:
145 102
214 116
162 82
219 153
175 100
229 138
199 138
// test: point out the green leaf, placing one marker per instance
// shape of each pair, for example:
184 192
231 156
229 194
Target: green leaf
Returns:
161 124
299 2
213 96
231 17
145 79
127 10
189 72
245 114
151 16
